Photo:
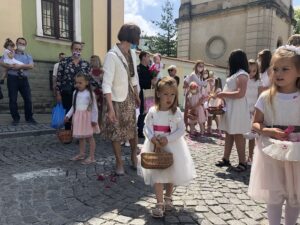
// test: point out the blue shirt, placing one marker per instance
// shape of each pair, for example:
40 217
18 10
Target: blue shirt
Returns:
24 58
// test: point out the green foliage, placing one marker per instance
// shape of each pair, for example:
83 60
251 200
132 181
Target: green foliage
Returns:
166 40
297 21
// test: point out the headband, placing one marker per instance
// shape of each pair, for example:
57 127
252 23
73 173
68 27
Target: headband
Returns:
292 48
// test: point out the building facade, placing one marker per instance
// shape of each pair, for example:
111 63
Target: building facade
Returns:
211 29
50 26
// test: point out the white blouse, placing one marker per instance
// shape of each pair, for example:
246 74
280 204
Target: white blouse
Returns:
83 100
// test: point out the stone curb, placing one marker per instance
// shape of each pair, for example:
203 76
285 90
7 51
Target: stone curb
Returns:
27 133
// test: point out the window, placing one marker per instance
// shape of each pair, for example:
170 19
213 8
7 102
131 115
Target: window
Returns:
57 18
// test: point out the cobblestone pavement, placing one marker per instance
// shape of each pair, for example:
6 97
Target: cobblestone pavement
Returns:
40 186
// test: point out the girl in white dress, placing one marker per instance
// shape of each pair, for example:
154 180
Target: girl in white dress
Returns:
253 87
276 165
195 101
236 120
85 117
164 129
264 60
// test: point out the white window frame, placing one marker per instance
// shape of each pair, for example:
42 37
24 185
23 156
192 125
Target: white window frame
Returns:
76 19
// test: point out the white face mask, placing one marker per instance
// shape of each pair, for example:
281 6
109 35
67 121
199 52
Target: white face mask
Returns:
21 48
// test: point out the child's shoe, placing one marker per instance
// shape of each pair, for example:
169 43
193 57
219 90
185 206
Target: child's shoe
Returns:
158 211
168 203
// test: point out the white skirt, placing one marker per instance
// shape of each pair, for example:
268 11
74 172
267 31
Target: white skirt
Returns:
180 173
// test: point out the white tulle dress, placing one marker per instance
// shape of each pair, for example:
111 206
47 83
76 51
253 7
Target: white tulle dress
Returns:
276 166
165 123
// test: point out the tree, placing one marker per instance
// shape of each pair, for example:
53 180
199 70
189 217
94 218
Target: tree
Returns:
166 40
297 21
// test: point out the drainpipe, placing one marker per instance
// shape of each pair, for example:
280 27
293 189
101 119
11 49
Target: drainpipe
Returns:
108 25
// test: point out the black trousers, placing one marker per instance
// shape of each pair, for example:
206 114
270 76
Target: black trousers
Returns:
141 123
20 84
67 99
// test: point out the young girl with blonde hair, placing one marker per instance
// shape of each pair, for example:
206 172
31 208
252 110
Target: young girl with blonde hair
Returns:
276 165
164 130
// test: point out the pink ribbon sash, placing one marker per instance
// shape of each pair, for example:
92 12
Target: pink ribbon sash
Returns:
165 129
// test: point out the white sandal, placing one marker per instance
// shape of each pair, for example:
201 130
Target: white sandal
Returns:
168 203
158 211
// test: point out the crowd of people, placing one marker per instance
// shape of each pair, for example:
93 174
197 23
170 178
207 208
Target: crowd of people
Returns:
259 102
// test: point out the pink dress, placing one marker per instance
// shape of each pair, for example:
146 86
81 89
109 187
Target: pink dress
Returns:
275 180
193 99
86 112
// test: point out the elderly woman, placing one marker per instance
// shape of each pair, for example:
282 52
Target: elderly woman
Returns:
120 87
65 81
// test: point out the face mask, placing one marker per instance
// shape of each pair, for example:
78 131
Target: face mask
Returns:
21 48
76 54
194 91
133 46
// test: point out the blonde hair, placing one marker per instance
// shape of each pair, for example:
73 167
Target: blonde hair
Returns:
166 82
97 62
283 52
294 40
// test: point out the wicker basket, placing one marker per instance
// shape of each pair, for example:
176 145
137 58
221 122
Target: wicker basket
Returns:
156 160
216 110
65 136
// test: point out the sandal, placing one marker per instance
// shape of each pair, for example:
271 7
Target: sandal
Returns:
168 203
88 161
241 167
222 163
158 211
77 157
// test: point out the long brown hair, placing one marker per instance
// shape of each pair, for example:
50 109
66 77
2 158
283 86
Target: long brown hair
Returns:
265 59
88 87
283 52
166 82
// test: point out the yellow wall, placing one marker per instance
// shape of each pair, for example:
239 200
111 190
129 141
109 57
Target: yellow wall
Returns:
100 24
11 21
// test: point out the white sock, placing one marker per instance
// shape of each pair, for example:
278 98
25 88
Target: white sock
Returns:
274 213
291 214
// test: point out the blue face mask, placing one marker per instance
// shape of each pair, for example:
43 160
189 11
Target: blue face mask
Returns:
133 46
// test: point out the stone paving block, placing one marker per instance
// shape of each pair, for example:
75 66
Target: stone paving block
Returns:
226 216
122 219
137 222
191 203
96 221
254 215
235 222
217 209
171 219
201 208
237 214
214 219
185 219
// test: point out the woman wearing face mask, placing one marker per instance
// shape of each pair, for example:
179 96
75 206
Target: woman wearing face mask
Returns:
120 88
67 70
197 77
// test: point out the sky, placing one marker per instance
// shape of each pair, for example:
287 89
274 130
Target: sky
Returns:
142 12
